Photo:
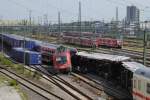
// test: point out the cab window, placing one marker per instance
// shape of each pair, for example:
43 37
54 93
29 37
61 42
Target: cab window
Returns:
61 59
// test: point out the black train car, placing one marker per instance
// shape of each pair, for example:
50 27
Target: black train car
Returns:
105 65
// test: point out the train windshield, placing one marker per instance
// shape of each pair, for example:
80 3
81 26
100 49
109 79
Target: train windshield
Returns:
61 59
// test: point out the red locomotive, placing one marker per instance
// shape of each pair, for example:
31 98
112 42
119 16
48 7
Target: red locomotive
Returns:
109 42
62 61
55 55
90 42
81 41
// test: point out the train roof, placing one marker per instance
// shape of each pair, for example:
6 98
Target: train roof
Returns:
17 37
47 45
25 50
132 66
100 56
144 71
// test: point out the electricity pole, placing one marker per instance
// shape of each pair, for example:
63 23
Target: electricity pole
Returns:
2 37
30 22
59 23
80 29
145 43
59 27
24 39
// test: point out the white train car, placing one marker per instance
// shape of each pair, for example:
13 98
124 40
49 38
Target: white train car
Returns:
140 80
141 84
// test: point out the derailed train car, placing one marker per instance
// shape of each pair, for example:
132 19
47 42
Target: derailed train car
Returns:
131 76
97 62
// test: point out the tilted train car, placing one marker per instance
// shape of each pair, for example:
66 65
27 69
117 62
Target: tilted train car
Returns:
131 76
103 63
30 57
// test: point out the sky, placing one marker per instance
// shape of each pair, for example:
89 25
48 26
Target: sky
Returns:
91 9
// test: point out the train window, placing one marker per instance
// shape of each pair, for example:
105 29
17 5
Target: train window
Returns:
148 88
134 83
61 59
139 84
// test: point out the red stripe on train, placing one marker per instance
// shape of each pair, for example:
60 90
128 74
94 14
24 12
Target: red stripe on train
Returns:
141 95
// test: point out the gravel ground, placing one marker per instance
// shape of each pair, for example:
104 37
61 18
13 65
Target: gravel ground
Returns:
31 95
94 93
9 93
55 89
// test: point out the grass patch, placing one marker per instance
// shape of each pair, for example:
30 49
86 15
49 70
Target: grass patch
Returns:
18 68
13 83
4 80
5 61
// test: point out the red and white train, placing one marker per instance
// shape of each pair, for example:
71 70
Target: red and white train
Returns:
140 80
93 42
141 84
88 40
57 56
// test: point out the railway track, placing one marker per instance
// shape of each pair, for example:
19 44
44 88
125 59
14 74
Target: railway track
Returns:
30 85
125 52
67 87
116 95
138 56
135 55
101 85
58 81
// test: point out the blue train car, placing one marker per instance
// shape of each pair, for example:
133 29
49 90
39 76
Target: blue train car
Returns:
18 41
31 57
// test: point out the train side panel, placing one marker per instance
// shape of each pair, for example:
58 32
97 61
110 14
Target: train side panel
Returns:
141 84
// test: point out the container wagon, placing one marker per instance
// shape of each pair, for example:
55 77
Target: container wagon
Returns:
31 57
14 41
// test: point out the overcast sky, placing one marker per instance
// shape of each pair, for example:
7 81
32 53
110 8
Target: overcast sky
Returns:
91 9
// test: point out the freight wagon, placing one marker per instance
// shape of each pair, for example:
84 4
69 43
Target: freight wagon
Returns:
13 40
30 57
